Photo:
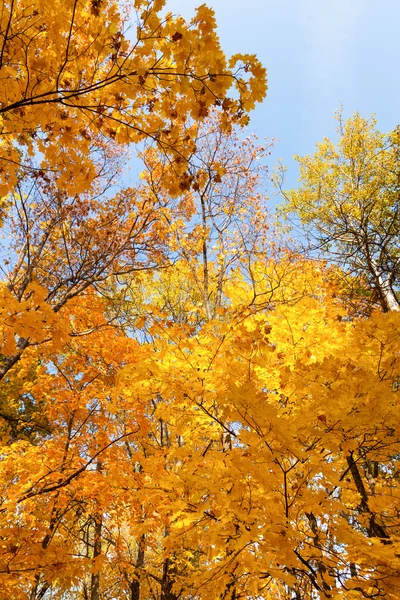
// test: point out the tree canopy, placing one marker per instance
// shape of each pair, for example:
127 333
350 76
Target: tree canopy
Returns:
190 408
348 200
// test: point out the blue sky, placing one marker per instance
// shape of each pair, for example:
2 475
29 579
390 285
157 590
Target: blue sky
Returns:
318 54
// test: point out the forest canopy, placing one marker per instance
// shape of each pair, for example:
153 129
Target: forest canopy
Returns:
194 403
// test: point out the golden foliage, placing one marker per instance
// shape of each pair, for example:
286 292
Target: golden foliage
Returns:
187 410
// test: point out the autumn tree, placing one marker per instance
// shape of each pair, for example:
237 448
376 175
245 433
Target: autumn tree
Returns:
71 71
348 203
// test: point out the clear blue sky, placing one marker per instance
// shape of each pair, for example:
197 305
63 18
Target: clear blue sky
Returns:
318 54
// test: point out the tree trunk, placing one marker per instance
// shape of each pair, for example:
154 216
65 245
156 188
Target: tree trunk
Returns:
98 526
167 582
388 300
374 529
135 584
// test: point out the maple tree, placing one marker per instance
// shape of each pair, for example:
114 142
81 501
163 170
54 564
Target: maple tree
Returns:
71 70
